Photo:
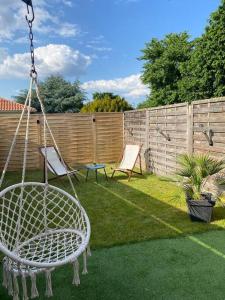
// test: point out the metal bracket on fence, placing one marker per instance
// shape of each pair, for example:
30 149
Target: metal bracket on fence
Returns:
166 136
208 134
130 131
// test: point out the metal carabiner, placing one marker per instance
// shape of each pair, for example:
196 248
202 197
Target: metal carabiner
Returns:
29 3
28 12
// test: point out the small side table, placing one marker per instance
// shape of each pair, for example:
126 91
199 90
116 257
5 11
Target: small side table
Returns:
95 167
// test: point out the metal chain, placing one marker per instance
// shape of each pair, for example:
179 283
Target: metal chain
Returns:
33 72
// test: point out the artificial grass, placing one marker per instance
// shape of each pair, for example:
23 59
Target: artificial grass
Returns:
192 267
122 212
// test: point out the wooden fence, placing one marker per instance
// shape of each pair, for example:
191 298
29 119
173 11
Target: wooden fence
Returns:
82 138
167 131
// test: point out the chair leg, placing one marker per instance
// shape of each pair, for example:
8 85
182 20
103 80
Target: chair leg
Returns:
75 176
140 165
87 175
129 175
113 173
106 175
96 175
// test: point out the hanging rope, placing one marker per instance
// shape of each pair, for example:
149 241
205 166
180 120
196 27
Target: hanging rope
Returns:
24 167
54 142
16 134
33 75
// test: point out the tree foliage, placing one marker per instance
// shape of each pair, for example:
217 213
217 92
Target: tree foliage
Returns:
204 75
177 69
58 95
161 70
106 102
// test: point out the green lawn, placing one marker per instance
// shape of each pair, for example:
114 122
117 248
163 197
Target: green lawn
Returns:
123 212
148 210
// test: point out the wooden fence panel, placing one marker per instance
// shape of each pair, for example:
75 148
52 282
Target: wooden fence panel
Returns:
167 122
135 130
8 126
208 115
144 127
109 136
73 135
77 138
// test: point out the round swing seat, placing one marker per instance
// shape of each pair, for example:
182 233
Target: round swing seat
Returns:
41 225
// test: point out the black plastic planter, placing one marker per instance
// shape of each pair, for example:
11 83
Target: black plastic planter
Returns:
201 210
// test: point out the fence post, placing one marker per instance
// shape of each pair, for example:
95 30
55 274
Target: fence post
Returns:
190 129
146 151
94 133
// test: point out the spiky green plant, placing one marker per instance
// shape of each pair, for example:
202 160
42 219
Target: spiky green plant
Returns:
195 170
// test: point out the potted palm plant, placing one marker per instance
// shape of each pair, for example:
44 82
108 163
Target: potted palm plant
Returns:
194 172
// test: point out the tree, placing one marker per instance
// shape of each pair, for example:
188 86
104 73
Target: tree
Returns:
204 75
58 95
178 70
106 102
98 95
162 68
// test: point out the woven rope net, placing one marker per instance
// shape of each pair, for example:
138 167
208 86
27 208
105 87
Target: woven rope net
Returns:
41 225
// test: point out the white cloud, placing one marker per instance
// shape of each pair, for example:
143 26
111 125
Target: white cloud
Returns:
97 40
99 49
68 30
3 54
130 86
52 59
67 3
47 20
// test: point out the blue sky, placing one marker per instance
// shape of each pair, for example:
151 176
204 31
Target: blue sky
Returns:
95 41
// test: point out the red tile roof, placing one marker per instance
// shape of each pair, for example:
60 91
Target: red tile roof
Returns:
9 105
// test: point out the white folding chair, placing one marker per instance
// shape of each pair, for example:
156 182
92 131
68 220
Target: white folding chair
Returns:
55 164
131 154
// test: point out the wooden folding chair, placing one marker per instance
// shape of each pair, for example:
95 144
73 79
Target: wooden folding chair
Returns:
131 155
55 164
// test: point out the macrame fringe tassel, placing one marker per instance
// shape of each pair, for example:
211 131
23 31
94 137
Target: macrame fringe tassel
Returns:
24 286
16 287
88 250
10 284
76 277
48 292
5 277
34 291
84 263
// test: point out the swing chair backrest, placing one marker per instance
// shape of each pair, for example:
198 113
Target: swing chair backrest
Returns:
38 209
55 165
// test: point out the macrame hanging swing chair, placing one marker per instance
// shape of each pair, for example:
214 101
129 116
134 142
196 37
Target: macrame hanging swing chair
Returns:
41 226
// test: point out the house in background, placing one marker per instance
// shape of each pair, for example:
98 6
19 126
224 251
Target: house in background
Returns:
9 106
